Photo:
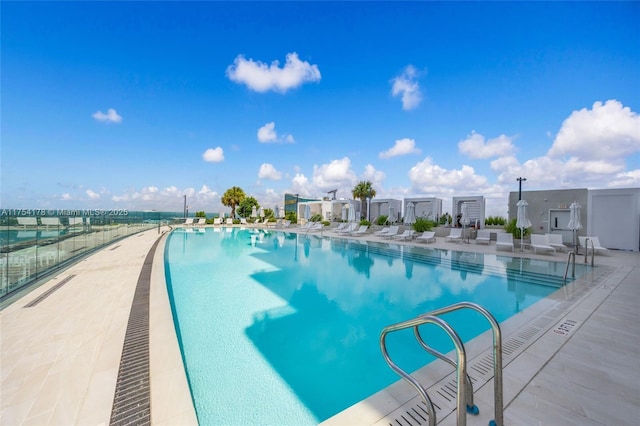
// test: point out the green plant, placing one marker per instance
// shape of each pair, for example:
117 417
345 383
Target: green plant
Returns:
511 228
381 220
316 218
291 215
326 223
201 214
365 222
423 224
362 191
232 198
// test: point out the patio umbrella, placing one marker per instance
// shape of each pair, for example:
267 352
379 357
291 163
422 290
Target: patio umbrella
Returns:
574 222
465 218
410 215
307 212
254 213
352 213
345 213
261 212
522 220
221 215
392 213
277 212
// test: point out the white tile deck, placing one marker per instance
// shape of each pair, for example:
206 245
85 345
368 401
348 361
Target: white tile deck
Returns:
59 359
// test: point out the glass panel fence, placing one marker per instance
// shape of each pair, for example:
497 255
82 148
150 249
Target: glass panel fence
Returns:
34 246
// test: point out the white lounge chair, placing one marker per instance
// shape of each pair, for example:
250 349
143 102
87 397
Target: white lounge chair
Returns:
407 234
349 229
483 236
217 221
318 226
51 221
427 237
555 241
360 231
382 231
504 240
229 221
454 235
188 221
596 244
27 221
393 230
540 242
202 221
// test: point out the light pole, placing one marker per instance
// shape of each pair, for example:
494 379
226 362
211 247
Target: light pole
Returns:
520 179
297 208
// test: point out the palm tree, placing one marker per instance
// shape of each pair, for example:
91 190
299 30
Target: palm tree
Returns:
233 197
364 190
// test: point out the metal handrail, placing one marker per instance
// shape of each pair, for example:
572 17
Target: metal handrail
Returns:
566 269
464 383
461 367
586 250
497 353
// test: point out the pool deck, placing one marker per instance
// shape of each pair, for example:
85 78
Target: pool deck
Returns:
60 356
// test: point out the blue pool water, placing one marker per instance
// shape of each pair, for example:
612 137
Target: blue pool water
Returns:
280 328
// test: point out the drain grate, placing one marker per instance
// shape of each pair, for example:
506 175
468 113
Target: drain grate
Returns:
48 293
113 248
132 399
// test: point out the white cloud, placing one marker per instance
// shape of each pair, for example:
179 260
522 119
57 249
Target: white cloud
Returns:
401 147
213 155
427 177
66 196
110 117
267 134
607 131
267 171
406 85
475 146
261 77
334 175
376 177
92 194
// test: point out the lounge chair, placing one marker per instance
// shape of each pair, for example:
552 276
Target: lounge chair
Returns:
341 227
27 221
202 221
393 230
285 223
540 242
229 221
360 231
596 244
555 241
217 221
51 221
318 226
349 229
483 236
454 235
382 231
407 234
188 221
504 240
427 237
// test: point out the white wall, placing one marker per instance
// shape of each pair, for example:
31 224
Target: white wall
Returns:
614 217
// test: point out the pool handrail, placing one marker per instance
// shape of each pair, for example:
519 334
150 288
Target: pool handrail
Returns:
461 369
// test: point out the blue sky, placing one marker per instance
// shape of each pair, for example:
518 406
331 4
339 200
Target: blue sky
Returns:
133 105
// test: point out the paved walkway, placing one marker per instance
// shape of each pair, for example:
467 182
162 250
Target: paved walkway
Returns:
60 357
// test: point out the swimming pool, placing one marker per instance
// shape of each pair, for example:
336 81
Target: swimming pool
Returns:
281 328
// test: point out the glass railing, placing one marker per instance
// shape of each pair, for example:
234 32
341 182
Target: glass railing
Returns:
32 247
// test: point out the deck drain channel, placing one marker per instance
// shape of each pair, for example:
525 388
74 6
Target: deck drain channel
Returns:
132 399
48 293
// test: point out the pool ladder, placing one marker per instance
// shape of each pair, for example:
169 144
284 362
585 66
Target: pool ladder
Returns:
464 387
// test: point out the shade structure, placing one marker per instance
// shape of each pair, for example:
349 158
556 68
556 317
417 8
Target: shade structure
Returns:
307 212
254 212
574 221
522 221
261 212
345 213
410 214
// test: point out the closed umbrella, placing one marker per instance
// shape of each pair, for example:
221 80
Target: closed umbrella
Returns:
392 213
261 212
307 212
574 222
352 213
221 215
277 211
345 213
465 217
522 220
410 215
254 213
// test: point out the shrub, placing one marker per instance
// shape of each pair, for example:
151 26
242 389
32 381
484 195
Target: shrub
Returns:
515 231
381 220
365 222
423 224
316 218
